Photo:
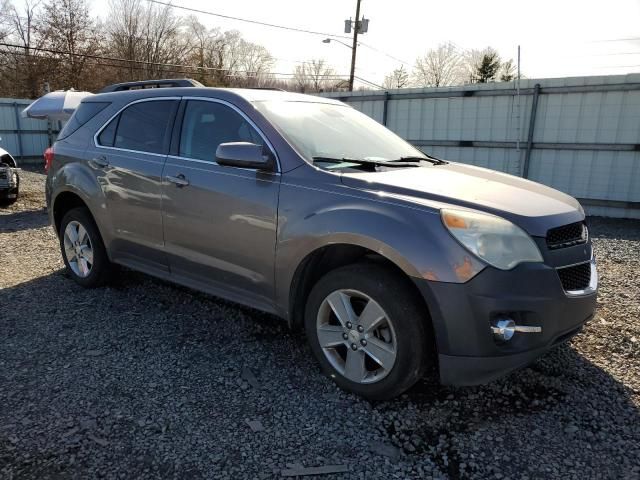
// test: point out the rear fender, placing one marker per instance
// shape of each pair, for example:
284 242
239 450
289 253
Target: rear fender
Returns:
78 179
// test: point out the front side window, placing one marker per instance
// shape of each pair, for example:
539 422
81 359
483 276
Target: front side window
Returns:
144 127
208 124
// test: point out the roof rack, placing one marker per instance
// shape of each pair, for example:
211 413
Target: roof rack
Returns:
267 88
143 84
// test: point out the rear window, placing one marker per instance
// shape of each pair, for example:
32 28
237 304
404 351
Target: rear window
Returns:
85 112
142 127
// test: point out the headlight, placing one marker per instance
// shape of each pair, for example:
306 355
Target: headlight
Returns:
493 239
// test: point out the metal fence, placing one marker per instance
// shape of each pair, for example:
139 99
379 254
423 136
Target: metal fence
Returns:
24 138
580 135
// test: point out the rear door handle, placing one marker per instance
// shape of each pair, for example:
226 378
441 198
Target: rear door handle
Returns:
179 180
100 162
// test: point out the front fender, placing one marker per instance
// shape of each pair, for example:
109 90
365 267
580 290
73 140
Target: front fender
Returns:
411 237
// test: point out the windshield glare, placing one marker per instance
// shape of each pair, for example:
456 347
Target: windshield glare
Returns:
334 131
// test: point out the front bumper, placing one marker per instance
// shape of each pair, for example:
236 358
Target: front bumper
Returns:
531 294
8 182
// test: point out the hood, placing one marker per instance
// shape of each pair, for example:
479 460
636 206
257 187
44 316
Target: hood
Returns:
534 207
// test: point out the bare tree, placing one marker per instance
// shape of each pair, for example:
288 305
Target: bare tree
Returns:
145 36
508 71
254 64
399 78
60 43
439 67
5 19
162 41
207 52
314 75
69 28
27 65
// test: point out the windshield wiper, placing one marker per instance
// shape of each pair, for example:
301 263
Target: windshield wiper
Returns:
428 158
362 161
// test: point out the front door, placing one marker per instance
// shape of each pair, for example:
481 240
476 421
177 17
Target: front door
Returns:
219 221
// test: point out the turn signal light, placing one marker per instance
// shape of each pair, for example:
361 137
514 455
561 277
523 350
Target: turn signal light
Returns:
48 158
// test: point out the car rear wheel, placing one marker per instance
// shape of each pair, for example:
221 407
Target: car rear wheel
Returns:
82 249
368 330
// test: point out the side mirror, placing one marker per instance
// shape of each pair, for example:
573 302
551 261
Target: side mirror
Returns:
243 155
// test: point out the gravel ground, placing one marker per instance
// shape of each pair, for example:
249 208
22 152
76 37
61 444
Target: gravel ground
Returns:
146 379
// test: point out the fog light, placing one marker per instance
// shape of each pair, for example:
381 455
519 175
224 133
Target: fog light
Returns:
503 329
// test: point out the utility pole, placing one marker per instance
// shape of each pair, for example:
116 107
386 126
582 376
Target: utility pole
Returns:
518 97
355 46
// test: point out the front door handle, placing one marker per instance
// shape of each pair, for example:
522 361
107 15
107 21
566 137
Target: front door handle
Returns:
100 162
179 180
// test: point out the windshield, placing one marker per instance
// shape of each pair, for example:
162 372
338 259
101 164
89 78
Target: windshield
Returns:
334 131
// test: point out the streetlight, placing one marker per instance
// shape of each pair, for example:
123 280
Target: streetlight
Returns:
359 26
328 40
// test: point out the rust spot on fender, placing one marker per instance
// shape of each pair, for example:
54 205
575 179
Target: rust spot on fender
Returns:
465 271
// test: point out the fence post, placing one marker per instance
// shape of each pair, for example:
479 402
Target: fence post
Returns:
532 126
18 129
385 106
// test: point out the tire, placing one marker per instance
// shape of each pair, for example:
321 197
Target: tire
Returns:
405 322
88 274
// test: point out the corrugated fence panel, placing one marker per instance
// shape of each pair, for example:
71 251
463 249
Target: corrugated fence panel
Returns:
586 138
33 138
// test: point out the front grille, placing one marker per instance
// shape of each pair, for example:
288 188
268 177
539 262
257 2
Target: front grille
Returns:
567 235
576 277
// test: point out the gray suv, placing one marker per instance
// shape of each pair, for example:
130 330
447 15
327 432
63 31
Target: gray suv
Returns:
395 263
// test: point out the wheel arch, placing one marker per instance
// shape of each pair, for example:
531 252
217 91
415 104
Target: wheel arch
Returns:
65 201
7 159
326 258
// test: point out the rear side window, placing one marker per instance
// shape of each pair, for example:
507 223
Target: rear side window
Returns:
85 112
108 134
143 127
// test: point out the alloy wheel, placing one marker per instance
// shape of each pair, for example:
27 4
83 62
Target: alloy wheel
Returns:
356 336
78 249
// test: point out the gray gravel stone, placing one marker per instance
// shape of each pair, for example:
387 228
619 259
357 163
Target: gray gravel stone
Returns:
167 397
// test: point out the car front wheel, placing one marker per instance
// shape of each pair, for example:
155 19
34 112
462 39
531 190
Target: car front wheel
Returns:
368 330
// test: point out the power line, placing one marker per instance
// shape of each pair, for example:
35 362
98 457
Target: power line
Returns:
628 39
255 22
273 25
138 67
384 53
173 67
618 66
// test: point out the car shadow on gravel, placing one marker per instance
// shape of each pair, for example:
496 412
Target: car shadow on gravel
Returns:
23 220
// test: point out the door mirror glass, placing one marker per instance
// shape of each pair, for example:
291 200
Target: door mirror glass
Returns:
243 155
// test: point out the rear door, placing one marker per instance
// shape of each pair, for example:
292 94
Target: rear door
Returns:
219 221
129 154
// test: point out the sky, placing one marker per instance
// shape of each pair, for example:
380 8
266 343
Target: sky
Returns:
558 38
